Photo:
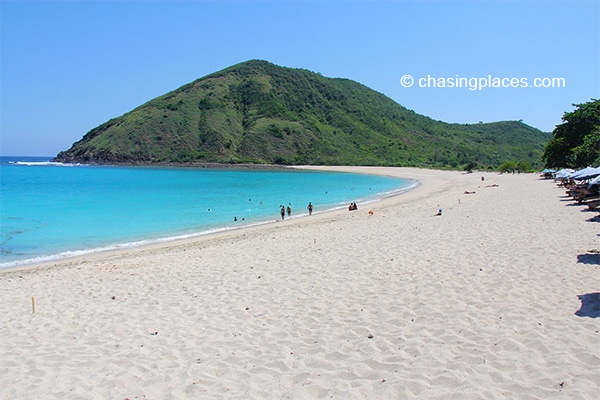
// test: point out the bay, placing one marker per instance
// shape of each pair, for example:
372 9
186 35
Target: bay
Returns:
50 210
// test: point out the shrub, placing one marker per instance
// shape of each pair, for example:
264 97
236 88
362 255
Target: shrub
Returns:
508 166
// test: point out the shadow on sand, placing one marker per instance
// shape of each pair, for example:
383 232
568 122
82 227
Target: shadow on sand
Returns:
590 305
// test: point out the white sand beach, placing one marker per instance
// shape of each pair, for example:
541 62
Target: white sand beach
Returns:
479 303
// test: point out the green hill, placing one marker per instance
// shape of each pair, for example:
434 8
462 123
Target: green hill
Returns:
257 112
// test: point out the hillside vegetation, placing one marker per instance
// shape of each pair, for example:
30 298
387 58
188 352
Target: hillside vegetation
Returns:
257 112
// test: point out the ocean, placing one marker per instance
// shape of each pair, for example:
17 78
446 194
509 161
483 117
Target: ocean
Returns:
51 210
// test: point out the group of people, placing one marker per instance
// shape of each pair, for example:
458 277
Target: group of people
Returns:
288 210
283 211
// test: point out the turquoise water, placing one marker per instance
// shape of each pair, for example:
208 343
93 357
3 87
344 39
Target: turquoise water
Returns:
53 210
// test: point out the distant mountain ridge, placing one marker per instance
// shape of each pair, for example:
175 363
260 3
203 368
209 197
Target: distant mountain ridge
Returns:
257 112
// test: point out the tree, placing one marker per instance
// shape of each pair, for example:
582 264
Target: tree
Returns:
523 166
576 142
508 166
590 148
470 166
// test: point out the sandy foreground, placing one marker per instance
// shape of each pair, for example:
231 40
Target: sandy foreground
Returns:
479 303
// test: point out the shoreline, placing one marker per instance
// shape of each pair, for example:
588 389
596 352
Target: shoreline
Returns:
167 241
484 301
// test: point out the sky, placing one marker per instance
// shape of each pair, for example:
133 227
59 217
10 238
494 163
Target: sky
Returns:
69 66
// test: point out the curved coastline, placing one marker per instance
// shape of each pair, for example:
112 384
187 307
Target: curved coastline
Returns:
174 240
401 303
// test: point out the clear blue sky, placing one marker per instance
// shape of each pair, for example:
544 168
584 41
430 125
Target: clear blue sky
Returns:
69 66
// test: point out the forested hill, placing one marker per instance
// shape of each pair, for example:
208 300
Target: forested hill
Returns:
257 112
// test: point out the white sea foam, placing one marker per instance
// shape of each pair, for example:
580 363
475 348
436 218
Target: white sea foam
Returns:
141 243
45 164
129 245
90 210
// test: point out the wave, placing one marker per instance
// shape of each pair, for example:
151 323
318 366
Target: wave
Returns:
128 245
44 164
391 193
395 192
148 242
34 254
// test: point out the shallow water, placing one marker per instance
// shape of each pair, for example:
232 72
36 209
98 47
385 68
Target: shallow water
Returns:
53 210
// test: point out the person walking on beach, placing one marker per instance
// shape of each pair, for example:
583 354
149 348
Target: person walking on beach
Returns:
282 213
310 206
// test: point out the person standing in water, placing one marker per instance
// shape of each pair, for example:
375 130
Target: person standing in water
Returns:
289 211
310 207
282 213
